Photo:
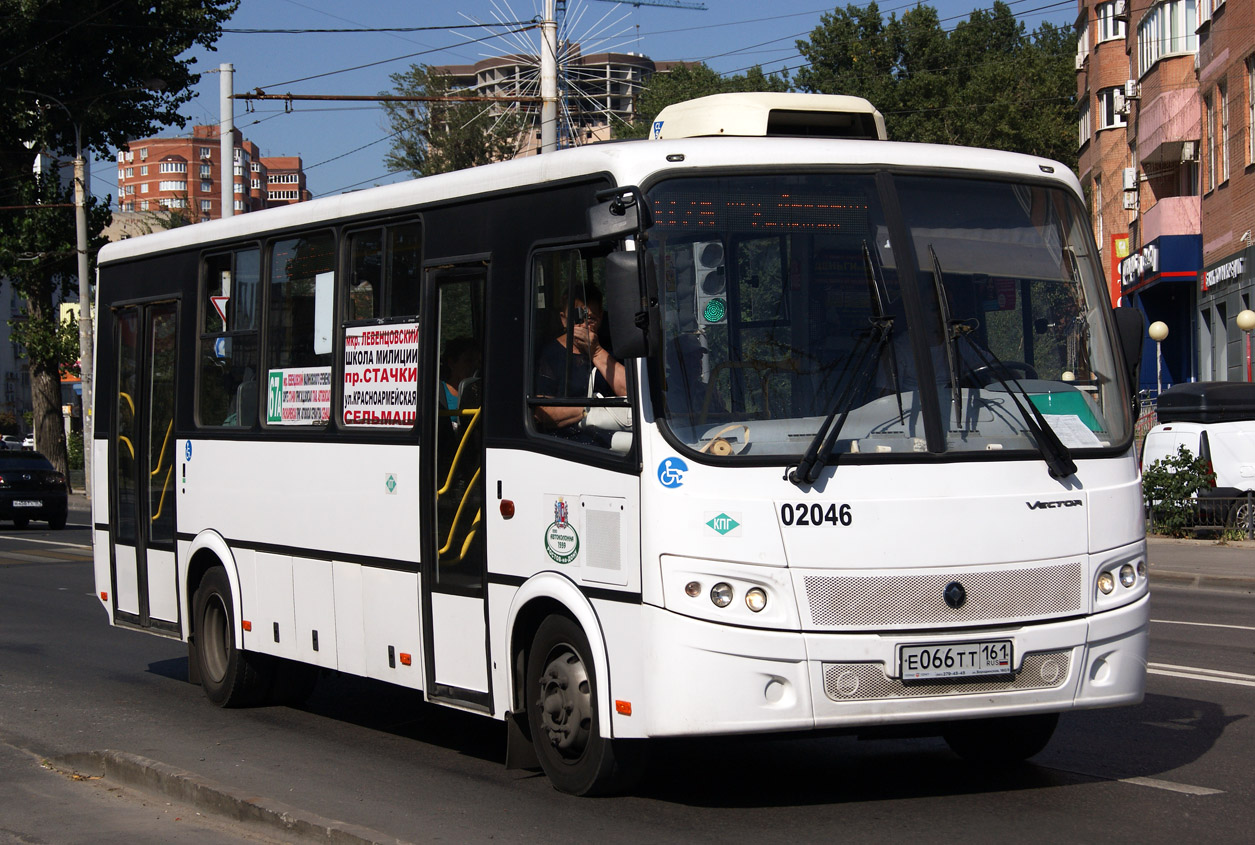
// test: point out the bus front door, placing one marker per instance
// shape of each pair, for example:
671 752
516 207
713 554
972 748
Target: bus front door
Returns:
455 624
141 468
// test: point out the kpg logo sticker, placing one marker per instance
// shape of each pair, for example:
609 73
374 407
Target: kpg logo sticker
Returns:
671 473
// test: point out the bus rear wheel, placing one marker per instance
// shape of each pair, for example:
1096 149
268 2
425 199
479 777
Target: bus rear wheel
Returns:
1001 741
230 676
562 713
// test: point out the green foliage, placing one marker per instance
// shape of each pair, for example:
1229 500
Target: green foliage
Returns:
440 136
93 64
987 83
74 449
688 82
8 423
1169 486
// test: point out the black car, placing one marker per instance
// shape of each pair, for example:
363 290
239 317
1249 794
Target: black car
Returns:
31 489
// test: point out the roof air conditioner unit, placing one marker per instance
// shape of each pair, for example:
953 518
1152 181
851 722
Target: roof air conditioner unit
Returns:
1132 90
1130 201
1130 178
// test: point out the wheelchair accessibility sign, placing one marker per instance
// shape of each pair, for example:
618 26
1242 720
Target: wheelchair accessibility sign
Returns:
671 472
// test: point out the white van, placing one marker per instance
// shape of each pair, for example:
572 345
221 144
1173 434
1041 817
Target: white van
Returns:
1214 420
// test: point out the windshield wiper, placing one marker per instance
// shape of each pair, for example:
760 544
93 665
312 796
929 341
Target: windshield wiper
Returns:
879 296
821 445
951 331
1057 456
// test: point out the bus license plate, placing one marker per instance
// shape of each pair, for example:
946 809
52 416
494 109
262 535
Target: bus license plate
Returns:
955 660
28 503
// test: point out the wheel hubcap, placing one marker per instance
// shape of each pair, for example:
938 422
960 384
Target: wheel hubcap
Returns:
217 639
566 702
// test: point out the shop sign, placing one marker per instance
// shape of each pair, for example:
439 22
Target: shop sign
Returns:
1226 272
1140 265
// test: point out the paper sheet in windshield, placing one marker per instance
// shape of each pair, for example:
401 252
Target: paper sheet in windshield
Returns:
1071 431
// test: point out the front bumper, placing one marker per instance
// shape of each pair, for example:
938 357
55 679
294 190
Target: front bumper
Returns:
707 678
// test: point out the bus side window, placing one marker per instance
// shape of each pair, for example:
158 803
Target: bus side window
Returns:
227 365
299 318
405 269
365 274
571 359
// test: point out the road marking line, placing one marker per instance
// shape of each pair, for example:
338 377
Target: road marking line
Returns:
1195 674
1185 788
48 542
1204 624
1153 783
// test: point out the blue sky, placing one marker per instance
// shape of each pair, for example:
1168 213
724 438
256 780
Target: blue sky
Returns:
341 144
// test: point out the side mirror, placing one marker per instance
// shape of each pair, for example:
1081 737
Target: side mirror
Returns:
1131 330
619 213
631 305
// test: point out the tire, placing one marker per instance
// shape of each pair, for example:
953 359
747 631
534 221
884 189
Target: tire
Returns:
1003 741
21 522
230 677
1238 515
561 700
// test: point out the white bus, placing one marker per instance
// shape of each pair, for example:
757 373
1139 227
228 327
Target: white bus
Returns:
672 437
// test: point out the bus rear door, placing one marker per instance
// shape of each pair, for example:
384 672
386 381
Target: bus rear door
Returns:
142 485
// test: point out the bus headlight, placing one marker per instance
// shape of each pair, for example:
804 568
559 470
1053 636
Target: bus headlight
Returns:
1106 583
756 599
721 594
1127 576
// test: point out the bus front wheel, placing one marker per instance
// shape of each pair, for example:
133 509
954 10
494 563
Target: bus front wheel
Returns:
562 713
230 676
1001 741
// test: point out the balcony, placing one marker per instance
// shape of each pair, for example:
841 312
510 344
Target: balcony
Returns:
1166 123
1171 216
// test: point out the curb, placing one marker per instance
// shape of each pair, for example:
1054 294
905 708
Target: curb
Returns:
1199 581
153 777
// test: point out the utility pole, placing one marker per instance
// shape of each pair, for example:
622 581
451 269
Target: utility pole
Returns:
226 138
549 80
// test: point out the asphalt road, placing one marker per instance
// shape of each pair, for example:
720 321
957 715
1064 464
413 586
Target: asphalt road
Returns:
1178 766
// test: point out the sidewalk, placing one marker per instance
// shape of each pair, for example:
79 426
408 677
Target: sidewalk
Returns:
1202 563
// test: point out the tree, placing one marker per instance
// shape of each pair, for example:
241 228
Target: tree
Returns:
440 136
86 74
102 61
687 82
38 256
987 83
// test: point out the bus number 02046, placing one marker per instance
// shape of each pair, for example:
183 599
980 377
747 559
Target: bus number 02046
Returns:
815 514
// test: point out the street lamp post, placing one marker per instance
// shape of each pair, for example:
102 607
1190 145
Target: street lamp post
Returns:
1158 332
1246 322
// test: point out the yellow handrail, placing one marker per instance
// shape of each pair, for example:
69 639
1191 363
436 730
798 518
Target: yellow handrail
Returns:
161 503
128 443
474 415
129 401
162 454
457 517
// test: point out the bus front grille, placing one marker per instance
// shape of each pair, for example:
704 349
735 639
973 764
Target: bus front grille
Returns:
868 681
919 600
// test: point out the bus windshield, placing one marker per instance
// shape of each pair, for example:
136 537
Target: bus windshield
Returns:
900 313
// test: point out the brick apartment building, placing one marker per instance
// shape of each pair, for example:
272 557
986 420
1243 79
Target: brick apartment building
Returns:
183 174
1164 90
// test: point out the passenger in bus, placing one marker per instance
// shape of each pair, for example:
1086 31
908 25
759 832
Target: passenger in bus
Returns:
459 368
576 364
